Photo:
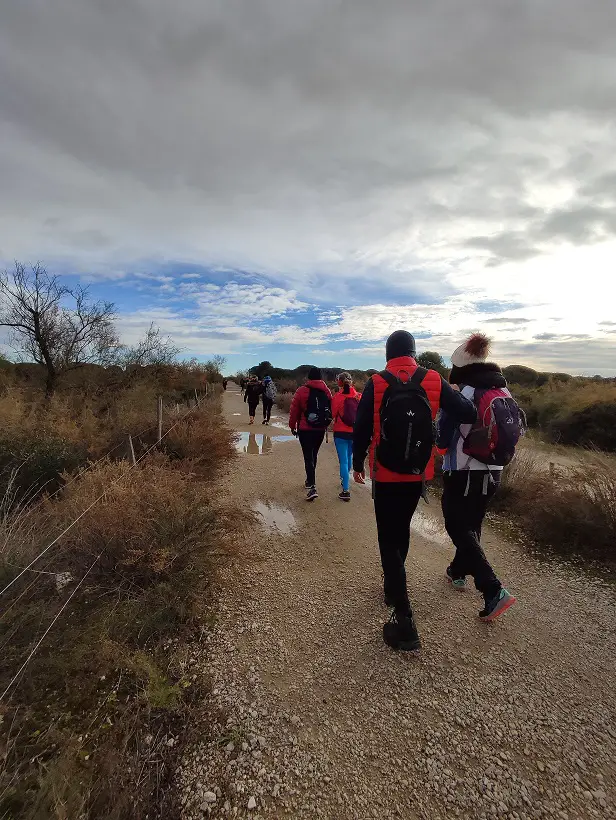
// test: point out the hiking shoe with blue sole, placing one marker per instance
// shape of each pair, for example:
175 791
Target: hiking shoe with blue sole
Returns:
456 583
499 604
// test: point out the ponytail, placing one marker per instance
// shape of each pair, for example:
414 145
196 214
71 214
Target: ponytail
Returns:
346 389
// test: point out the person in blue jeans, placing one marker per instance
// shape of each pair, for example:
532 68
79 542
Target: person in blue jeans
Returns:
344 410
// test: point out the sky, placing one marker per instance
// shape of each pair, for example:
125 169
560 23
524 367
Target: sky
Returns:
292 180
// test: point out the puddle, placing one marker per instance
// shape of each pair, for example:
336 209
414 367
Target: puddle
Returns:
429 528
258 444
275 517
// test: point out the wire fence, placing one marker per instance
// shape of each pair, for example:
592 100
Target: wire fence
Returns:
30 567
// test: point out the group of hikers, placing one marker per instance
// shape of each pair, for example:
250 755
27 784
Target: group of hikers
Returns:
255 390
404 417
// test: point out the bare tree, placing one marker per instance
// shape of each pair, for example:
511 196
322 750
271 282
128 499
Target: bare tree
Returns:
56 326
153 349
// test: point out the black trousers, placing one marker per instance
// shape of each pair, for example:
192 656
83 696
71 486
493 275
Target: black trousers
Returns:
311 441
267 408
464 505
252 408
394 506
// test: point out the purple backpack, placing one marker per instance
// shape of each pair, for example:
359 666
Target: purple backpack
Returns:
349 411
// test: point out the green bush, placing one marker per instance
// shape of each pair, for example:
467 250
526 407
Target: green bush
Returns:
594 426
30 464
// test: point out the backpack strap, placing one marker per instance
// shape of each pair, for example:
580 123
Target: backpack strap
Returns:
418 376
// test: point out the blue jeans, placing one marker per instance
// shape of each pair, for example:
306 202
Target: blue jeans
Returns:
344 448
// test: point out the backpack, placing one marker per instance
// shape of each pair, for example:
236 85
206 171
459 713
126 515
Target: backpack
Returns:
318 409
270 391
349 411
406 425
500 424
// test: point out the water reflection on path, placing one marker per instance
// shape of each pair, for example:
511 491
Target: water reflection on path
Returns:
275 517
256 444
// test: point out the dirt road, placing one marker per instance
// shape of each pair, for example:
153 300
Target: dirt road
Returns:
321 720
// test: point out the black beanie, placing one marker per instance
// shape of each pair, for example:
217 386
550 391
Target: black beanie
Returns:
314 374
400 343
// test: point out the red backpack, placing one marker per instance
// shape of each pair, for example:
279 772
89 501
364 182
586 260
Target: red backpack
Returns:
500 424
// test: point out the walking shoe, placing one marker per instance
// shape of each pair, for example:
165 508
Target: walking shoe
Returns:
401 633
499 604
456 583
312 494
344 495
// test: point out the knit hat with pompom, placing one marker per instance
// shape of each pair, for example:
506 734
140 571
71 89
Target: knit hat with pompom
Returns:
474 350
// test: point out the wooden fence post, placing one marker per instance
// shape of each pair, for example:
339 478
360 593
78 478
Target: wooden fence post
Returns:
160 419
196 398
131 450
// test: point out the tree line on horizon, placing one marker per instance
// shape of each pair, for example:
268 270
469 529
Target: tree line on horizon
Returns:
514 373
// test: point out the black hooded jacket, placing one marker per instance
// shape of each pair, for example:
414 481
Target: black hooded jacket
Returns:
481 375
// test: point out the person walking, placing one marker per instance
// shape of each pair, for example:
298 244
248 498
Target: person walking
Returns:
309 418
473 465
395 421
269 397
254 390
344 412
224 384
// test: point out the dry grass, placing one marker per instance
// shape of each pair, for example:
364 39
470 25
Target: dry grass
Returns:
572 510
283 401
89 721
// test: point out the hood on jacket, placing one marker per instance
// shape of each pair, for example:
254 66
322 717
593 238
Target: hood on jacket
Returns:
483 375
318 384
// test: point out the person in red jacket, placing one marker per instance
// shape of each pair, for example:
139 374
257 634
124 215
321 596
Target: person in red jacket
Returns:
344 412
396 495
309 418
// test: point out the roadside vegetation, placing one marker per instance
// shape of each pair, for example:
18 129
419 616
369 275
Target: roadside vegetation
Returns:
92 725
107 559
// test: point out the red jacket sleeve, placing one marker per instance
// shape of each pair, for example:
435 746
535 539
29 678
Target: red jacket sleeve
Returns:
297 408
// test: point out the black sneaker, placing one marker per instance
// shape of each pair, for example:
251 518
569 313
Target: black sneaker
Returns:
401 633
344 495
312 494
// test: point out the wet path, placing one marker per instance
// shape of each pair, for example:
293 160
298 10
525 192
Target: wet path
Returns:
514 720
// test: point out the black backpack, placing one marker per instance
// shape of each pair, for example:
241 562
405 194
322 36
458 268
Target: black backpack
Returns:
407 428
318 409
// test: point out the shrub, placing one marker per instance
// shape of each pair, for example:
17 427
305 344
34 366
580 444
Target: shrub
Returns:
90 716
572 511
283 401
29 464
594 426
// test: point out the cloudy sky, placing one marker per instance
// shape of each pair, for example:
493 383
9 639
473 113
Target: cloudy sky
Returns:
293 179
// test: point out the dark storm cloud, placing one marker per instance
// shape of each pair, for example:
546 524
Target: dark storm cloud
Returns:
212 128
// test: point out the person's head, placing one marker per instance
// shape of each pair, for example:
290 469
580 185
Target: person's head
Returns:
400 343
344 381
266 379
314 374
474 351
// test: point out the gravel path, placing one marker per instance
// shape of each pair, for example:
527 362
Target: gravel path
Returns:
318 719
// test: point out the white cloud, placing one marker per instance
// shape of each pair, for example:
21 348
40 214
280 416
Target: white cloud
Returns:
415 152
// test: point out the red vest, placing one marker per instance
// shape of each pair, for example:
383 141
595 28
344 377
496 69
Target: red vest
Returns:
432 385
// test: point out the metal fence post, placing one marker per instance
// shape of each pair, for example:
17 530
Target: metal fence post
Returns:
160 419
